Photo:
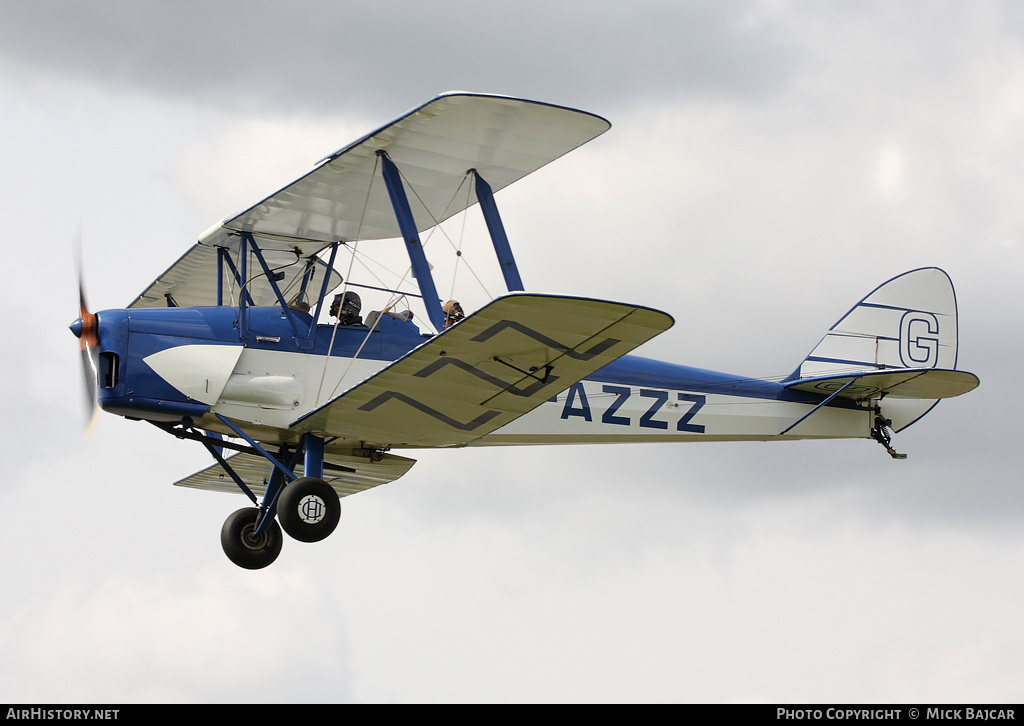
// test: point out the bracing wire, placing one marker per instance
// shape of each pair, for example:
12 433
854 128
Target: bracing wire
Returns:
344 289
397 297
458 251
437 226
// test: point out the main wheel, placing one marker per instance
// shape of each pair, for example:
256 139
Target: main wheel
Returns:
308 509
244 547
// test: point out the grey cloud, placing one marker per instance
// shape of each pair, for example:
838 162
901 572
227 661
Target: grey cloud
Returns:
322 56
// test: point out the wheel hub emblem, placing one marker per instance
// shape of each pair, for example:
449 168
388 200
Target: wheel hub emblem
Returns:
312 509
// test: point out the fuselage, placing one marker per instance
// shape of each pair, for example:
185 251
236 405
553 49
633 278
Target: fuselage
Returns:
163 364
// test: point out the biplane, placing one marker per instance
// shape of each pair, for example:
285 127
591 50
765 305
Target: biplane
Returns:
301 402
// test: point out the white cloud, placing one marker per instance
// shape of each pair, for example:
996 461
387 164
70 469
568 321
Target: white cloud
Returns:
211 636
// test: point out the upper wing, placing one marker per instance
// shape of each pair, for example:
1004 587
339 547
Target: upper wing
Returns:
434 146
192 280
489 369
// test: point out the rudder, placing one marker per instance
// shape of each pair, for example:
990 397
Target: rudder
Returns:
908 322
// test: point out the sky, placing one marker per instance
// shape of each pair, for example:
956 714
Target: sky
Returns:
770 163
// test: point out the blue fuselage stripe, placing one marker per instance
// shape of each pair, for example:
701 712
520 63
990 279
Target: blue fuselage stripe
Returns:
642 372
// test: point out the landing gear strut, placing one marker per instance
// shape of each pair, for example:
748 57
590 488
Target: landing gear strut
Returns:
308 508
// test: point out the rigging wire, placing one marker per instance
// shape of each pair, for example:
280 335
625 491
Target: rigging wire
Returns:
385 311
437 225
397 296
344 289
462 238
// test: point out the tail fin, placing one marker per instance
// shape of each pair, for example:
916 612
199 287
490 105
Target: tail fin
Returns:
908 322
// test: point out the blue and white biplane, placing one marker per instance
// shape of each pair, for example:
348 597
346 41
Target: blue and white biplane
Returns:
227 347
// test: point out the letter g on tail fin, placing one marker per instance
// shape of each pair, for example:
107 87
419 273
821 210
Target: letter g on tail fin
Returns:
908 322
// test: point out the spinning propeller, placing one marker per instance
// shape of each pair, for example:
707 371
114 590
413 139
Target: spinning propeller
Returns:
86 329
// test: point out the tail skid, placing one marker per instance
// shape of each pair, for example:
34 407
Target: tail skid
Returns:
882 436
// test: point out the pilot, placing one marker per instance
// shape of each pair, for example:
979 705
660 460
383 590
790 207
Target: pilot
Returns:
346 307
452 313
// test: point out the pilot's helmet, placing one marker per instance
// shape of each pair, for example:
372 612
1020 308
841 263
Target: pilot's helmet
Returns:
351 303
452 312
346 304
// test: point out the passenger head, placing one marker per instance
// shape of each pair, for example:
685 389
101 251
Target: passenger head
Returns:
452 313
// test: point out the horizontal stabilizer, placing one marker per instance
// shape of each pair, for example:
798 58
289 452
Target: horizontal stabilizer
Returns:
491 368
346 474
923 383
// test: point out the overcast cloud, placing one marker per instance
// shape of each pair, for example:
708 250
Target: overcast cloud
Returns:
769 164
316 56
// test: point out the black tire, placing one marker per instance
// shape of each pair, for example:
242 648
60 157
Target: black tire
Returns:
252 553
308 509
